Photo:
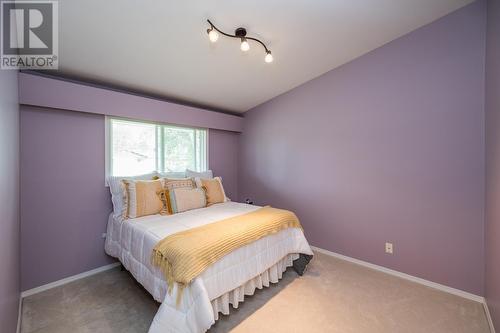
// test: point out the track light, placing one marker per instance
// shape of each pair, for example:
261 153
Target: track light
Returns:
244 45
212 35
240 33
269 57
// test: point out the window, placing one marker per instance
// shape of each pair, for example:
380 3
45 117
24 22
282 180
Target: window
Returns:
135 148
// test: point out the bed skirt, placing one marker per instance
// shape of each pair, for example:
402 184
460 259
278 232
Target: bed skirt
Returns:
235 296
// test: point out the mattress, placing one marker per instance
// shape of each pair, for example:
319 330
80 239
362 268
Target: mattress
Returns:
132 241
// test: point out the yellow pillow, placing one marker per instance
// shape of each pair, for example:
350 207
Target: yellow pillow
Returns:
164 196
213 190
142 198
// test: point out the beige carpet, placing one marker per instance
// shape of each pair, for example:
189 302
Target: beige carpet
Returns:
333 296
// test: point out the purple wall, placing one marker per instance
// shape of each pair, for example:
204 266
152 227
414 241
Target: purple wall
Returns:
388 147
223 159
9 198
64 203
54 93
493 161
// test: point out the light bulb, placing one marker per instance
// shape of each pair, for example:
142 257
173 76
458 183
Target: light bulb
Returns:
244 45
269 57
213 35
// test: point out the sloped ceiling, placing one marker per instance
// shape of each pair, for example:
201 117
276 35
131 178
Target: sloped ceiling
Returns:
161 47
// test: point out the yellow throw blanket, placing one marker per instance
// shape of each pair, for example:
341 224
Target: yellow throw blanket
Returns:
186 254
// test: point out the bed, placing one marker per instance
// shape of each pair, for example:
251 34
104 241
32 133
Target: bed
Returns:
224 283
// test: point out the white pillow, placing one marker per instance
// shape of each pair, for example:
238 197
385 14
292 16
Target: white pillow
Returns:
117 190
204 174
184 199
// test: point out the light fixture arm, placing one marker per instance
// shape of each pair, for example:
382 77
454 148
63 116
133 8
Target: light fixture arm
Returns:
239 37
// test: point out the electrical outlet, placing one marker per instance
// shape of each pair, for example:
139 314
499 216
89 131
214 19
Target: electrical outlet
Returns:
104 235
389 248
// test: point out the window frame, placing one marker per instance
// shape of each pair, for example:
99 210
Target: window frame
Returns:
108 137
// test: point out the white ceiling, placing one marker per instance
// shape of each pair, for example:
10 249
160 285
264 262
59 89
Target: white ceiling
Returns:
161 47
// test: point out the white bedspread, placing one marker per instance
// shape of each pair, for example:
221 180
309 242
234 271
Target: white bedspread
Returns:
132 241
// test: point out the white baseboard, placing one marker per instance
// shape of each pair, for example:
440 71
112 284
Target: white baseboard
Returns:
405 276
19 312
412 278
68 280
488 316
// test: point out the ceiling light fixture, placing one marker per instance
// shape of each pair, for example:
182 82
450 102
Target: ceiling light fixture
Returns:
244 45
213 35
269 57
241 34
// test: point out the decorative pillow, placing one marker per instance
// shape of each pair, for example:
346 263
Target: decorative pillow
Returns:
164 196
118 194
213 190
205 174
183 199
173 183
142 198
